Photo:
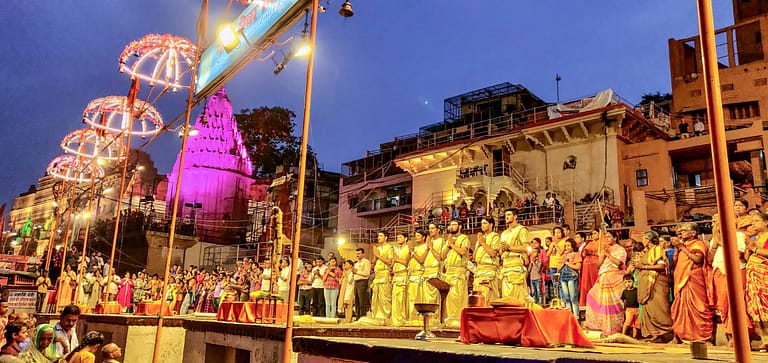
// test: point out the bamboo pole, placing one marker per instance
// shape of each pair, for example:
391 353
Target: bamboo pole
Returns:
288 342
723 186
177 189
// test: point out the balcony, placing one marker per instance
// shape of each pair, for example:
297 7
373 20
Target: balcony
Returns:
384 205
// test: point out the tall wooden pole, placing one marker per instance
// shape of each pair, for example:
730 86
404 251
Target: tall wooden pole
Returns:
723 186
88 218
287 343
119 202
175 212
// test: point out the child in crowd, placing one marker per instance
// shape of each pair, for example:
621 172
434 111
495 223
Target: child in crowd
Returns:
111 353
535 275
629 298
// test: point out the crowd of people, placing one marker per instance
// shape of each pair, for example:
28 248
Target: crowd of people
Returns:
25 341
661 288
532 211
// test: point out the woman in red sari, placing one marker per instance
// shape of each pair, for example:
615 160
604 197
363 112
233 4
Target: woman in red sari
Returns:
604 308
757 277
692 308
125 294
589 267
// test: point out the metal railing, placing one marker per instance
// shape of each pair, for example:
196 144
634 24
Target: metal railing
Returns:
497 125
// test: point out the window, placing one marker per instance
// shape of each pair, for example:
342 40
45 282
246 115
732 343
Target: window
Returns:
694 180
641 175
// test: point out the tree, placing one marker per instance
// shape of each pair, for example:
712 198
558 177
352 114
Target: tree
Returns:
268 137
662 100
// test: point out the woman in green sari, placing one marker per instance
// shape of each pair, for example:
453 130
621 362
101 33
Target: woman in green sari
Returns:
653 291
41 348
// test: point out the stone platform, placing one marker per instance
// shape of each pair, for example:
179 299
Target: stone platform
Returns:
194 339
314 349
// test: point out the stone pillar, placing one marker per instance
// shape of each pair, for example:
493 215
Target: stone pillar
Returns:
640 209
758 174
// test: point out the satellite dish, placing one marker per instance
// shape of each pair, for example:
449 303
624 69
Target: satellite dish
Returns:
570 162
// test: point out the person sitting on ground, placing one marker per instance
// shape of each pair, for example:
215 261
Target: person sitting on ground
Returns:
84 353
111 353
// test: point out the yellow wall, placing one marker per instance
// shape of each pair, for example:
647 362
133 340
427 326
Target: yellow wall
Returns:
425 184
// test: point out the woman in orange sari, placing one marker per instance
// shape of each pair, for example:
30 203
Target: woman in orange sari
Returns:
757 277
692 308
604 308
589 267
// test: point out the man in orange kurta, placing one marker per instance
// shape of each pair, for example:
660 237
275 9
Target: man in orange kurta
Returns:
692 309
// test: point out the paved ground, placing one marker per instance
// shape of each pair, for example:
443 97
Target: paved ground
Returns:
449 350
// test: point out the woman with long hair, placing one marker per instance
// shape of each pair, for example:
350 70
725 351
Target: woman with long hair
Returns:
653 290
41 348
604 309
84 353
569 276
757 277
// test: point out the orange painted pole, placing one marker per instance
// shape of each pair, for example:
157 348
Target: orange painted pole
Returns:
175 212
119 205
288 342
723 186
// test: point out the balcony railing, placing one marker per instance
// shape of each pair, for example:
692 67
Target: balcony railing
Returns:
440 134
384 203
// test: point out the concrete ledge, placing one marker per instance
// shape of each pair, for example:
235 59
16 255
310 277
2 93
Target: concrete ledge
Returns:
128 319
372 350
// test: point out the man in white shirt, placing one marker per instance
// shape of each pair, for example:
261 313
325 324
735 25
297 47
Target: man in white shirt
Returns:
66 334
360 273
266 276
318 297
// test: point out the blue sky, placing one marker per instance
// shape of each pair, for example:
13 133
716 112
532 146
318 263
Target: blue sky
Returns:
380 74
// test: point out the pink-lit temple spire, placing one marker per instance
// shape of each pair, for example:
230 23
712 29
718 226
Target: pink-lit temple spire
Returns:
217 175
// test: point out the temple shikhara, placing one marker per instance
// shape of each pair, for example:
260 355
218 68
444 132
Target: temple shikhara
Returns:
218 170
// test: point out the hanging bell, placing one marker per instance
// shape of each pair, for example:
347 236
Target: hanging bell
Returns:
346 9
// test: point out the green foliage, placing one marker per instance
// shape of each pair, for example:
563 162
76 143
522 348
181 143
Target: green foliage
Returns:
268 136
662 100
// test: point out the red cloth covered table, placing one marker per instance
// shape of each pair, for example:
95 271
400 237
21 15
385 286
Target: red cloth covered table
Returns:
526 327
111 307
151 308
262 311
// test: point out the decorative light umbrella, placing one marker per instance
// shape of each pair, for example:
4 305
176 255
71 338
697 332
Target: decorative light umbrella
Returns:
159 59
75 169
90 146
114 115
91 143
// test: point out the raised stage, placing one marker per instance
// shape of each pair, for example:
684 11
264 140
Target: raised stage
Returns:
200 340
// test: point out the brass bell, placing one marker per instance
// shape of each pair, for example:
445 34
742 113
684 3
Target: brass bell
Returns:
346 9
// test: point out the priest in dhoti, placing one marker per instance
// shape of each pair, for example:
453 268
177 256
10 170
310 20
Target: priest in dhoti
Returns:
487 260
455 257
435 246
381 299
401 255
416 280
514 252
